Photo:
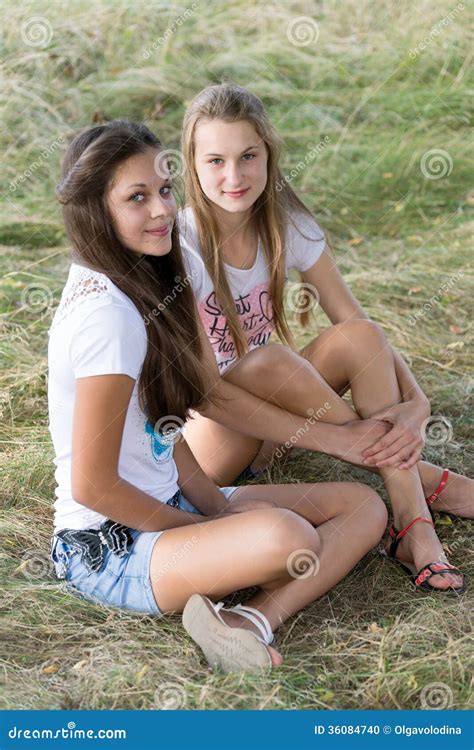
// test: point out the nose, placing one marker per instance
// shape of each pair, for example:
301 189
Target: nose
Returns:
162 207
233 176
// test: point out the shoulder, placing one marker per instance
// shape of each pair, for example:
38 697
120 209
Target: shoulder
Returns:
190 248
88 292
303 225
187 226
305 240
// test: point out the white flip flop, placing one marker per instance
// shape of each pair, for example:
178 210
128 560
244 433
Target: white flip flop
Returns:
231 649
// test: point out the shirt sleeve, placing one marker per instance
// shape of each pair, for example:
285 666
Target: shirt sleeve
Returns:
193 262
110 340
305 242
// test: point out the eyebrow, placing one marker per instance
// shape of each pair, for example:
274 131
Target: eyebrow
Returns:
144 185
243 152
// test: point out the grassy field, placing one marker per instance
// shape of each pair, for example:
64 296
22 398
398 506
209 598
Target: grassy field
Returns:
383 86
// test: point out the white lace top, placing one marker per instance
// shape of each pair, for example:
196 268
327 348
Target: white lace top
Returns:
97 330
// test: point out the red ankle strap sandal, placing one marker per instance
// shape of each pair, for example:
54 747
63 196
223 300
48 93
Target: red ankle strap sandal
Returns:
434 496
421 577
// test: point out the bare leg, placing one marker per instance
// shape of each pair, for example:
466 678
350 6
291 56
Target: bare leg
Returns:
335 354
350 518
369 370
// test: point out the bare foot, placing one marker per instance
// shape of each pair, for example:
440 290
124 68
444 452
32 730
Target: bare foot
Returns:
234 620
457 496
420 546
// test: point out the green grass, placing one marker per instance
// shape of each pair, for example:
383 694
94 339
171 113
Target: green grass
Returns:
372 642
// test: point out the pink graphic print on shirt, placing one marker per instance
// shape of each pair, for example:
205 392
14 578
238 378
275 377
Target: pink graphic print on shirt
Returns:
255 314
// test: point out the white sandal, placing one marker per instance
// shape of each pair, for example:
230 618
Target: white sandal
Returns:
232 649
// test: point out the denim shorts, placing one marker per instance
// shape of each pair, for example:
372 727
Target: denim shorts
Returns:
122 582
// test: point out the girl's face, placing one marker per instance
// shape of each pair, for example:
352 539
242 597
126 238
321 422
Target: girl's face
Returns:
142 205
231 163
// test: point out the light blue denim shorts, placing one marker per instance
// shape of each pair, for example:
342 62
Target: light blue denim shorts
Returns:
122 582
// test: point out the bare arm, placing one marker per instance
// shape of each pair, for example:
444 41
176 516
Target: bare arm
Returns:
194 482
339 304
99 417
409 388
244 412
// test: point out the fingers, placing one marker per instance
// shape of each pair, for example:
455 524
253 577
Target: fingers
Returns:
405 459
398 433
416 456
384 447
398 452
383 442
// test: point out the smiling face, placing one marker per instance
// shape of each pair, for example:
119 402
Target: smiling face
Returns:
142 205
231 163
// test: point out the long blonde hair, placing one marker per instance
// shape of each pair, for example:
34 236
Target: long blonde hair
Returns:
232 103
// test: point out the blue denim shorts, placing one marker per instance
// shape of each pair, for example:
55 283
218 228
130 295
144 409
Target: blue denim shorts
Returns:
122 582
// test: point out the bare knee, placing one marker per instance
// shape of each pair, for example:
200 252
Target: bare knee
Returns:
362 331
289 532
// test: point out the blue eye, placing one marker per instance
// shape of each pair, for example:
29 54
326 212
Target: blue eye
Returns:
213 161
252 156
169 188
135 195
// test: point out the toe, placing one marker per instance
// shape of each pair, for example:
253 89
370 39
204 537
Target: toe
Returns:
277 659
446 581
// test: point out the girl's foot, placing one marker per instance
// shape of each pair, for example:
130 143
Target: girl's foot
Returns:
456 497
233 648
234 620
420 546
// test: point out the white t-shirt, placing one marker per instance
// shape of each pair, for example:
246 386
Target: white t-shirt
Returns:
305 241
97 330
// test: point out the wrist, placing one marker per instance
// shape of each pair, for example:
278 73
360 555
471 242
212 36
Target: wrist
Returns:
422 403
328 438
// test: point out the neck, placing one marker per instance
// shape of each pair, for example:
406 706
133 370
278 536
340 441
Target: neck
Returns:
233 227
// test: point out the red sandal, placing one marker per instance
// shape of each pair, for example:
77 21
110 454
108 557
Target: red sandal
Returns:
434 496
421 577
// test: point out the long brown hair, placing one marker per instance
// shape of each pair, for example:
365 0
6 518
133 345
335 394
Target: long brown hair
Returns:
173 379
271 211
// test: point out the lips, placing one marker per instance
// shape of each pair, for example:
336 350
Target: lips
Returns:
159 231
237 193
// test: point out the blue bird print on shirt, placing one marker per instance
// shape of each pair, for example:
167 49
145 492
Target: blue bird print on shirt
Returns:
161 451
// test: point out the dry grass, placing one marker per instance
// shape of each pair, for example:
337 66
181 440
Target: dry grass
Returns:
372 642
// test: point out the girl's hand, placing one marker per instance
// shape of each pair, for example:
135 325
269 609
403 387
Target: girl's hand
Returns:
403 444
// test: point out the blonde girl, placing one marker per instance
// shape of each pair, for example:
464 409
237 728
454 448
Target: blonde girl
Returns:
242 230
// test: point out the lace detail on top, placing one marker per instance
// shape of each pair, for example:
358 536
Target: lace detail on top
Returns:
84 284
